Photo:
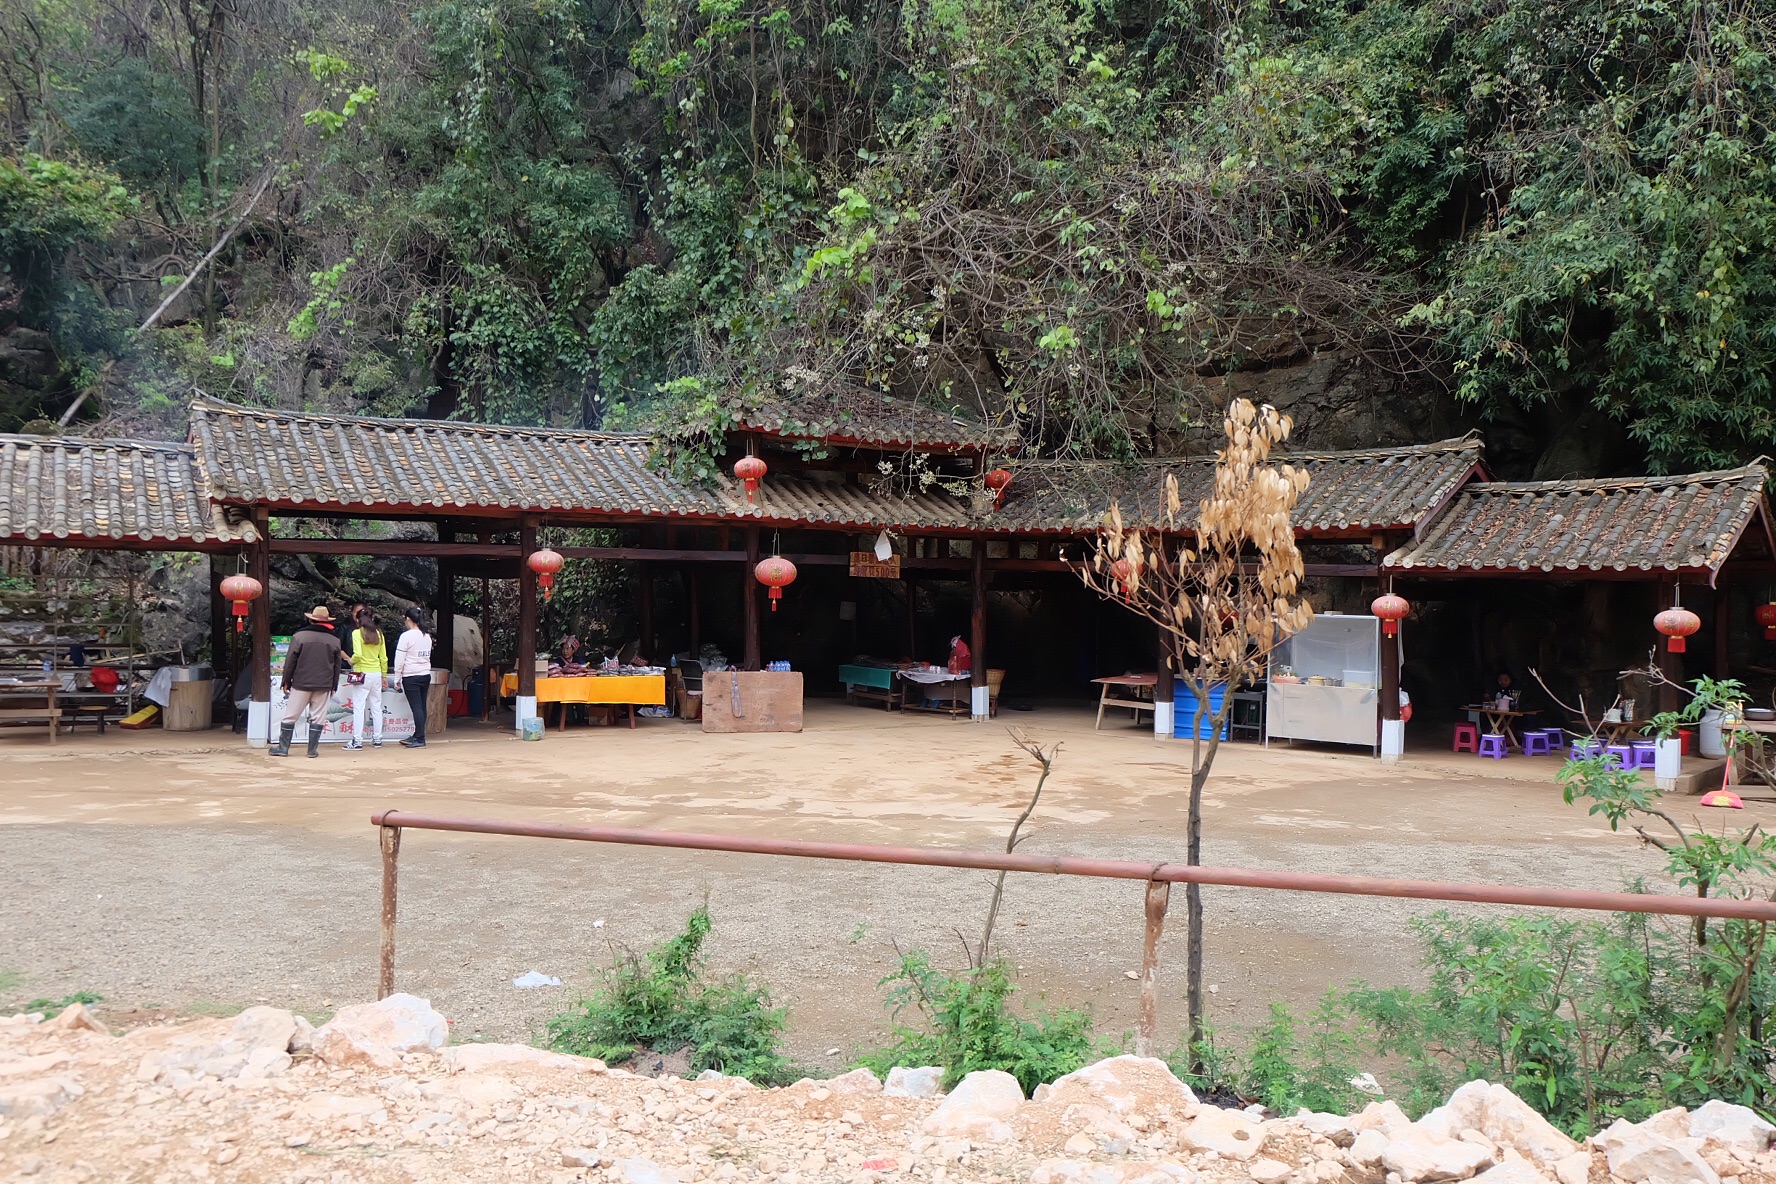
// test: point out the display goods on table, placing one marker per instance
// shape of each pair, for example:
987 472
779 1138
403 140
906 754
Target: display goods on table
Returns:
1324 683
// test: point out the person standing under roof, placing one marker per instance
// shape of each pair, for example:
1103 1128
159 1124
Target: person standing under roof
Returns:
363 686
311 675
413 673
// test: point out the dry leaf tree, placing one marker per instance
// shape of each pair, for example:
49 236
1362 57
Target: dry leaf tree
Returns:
1223 585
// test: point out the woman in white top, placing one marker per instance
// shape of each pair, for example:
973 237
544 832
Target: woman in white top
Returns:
413 674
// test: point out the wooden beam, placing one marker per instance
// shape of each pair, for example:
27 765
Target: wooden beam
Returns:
752 658
527 615
405 548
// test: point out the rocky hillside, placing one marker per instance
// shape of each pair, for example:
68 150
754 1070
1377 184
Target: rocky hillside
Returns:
378 1094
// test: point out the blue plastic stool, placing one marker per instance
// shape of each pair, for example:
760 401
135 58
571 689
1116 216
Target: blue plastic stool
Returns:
1493 745
1536 744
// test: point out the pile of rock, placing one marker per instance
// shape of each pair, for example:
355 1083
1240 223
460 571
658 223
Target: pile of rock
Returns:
376 1095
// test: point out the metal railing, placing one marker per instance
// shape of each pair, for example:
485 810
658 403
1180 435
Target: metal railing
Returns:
1157 876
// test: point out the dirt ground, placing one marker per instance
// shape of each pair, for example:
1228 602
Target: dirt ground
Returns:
188 872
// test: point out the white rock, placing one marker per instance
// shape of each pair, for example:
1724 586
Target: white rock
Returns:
858 1081
260 1027
1228 1133
1516 1171
74 1018
1367 1148
977 1109
337 1108
1268 1171
1385 1117
644 1171
578 1157
923 1082
42 1095
1124 1085
476 1058
1502 1117
1335 1127
1574 1169
265 1063
1638 1152
1669 1124
1737 1129
1419 1158
1098 1129
302 1040
1074 1171
376 1034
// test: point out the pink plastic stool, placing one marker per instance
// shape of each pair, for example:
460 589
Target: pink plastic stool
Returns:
1467 738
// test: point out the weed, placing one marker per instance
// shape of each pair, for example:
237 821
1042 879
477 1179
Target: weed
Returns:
664 1004
47 1006
968 1025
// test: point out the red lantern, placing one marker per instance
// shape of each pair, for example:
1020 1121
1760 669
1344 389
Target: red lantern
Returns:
1392 610
751 470
243 591
1677 624
996 481
775 573
546 563
1766 616
1124 571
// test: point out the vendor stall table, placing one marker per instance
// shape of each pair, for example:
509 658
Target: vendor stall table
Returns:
1137 696
43 692
935 689
618 690
872 684
1504 723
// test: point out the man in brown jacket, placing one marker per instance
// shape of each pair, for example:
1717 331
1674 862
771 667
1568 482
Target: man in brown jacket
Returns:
311 675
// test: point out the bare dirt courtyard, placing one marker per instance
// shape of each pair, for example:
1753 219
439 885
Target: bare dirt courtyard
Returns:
189 872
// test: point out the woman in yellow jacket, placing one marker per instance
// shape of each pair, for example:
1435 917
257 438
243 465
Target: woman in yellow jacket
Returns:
363 686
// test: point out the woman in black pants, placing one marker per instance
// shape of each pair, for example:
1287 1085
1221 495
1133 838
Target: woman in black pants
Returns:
413 673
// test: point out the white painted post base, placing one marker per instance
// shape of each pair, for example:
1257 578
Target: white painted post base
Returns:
526 708
258 724
1163 727
1667 763
1393 740
982 702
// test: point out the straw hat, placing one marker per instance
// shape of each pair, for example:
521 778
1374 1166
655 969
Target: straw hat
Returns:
320 615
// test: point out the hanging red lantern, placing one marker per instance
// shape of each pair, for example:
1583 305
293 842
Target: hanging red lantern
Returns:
1766 616
751 470
1124 572
1677 624
546 563
242 591
996 481
775 573
1392 610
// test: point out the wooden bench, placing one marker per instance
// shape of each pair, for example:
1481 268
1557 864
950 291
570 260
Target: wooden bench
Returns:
1131 683
47 714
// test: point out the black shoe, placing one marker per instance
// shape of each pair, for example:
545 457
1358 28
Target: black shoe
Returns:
414 743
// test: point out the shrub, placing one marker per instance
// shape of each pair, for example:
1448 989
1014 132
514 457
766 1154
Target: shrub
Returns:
1281 1068
666 1005
968 1024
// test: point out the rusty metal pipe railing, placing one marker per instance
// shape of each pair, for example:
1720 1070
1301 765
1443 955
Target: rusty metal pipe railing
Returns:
1156 875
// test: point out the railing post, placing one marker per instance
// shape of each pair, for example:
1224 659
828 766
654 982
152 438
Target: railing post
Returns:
391 854
1159 896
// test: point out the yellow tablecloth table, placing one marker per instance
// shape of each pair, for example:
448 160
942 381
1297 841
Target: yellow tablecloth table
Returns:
622 690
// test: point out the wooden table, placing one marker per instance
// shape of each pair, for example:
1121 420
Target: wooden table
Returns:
45 691
876 684
1134 683
1623 730
1503 723
614 690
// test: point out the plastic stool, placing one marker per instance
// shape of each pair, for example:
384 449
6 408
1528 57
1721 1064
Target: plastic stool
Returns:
1556 738
1584 750
1493 745
1646 756
1467 737
1622 755
1536 744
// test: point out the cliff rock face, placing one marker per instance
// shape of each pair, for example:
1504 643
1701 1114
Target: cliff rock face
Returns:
29 367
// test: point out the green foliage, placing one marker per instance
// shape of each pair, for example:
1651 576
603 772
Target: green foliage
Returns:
47 1006
966 1023
48 208
666 1004
1282 1067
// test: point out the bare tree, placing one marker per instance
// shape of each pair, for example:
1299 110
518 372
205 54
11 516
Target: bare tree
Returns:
1225 591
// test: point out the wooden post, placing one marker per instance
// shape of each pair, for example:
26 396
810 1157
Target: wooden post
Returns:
912 615
220 630
1158 898
1670 664
1391 733
1163 696
259 722
444 657
696 606
977 624
391 854
749 590
527 628
646 610
1723 630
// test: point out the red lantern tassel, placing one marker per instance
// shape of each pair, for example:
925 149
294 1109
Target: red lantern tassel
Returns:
776 595
1677 645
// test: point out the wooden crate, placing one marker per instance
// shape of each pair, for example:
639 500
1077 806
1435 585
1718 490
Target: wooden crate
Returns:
769 701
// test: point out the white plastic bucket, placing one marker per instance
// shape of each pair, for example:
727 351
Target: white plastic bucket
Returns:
1708 735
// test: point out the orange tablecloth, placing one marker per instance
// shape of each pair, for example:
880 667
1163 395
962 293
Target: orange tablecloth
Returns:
645 690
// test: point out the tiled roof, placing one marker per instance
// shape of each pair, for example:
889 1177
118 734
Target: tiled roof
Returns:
842 413
1631 524
120 490
355 462
1348 492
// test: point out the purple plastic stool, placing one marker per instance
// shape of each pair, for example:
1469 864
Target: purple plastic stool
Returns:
1622 755
1493 745
1556 738
1646 755
1536 744
1584 750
